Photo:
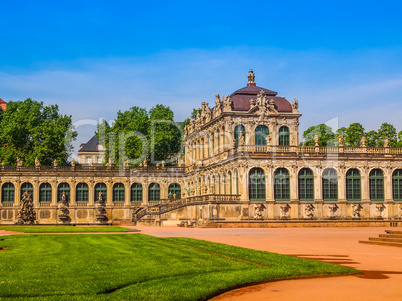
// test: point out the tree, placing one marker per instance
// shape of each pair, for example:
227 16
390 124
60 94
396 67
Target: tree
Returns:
125 138
166 138
327 137
372 138
387 130
136 133
354 134
29 129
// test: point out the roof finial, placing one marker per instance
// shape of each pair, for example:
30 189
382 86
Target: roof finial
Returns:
251 77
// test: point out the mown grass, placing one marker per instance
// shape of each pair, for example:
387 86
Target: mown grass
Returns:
63 229
137 267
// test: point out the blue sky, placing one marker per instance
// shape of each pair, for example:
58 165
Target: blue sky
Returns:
341 59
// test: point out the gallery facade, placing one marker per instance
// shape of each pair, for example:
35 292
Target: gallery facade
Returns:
242 163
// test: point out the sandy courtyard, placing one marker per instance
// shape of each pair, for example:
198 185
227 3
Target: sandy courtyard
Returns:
382 265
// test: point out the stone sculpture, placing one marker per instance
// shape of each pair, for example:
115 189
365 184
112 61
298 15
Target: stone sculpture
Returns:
101 215
295 105
386 142
241 138
316 140
63 207
340 140
26 215
284 210
258 211
356 208
309 211
332 209
364 140
379 209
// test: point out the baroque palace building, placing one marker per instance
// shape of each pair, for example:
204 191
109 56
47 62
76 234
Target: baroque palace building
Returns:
243 165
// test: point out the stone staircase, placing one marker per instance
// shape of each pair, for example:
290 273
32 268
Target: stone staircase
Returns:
390 238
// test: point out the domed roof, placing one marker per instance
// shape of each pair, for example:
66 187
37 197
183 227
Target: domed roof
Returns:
241 98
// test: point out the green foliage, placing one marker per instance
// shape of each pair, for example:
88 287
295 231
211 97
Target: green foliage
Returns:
387 130
29 129
327 136
136 133
137 267
352 135
354 132
166 140
372 138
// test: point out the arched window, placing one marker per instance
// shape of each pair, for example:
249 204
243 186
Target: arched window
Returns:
63 188
261 133
28 187
256 184
119 192
376 185
330 185
397 185
281 185
136 192
82 192
284 135
45 193
306 185
174 191
7 193
353 185
238 130
100 188
154 192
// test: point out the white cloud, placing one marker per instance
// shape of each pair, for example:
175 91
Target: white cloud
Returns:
362 86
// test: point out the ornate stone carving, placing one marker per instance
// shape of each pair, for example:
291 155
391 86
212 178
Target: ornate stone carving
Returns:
19 162
309 211
295 106
364 140
26 215
285 211
258 211
217 108
379 208
227 104
316 140
252 104
400 211
386 142
242 138
332 208
101 215
206 111
63 208
340 140
37 163
356 208
73 162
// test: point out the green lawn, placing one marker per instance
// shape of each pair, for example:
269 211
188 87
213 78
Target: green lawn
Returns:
63 229
136 267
